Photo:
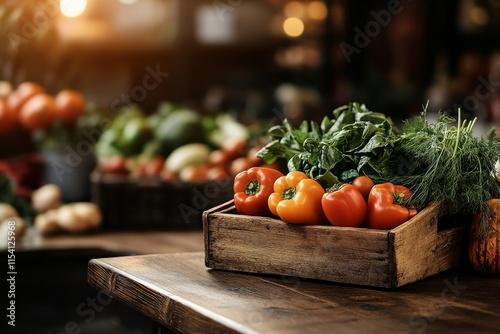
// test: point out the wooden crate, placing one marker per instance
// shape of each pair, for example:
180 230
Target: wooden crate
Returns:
153 203
376 258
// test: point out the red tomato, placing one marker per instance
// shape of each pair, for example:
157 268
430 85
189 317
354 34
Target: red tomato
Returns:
5 89
22 94
239 165
235 147
38 112
154 166
364 184
219 158
167 175
8 119
113 165
70 105
194 173
344 207
217 173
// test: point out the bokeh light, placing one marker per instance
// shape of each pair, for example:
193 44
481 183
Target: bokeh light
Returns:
72 8
317 10
293 27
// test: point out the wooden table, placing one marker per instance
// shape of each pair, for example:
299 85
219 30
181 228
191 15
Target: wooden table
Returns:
178 292
133 242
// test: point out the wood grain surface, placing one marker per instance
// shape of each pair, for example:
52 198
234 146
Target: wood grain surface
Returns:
133 242
180 293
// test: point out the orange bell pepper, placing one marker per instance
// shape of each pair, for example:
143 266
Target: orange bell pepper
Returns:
386 208
297 199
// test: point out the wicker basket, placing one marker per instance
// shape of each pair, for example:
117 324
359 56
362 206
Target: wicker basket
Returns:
128 203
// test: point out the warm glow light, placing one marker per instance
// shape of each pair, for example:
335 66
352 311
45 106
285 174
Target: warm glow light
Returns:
294 9
128 2
317 10
293 27
72 8
479 16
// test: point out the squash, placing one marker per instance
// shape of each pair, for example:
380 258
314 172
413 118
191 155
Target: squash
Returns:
484 248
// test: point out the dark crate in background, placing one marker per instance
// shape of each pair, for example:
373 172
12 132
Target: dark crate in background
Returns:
131 203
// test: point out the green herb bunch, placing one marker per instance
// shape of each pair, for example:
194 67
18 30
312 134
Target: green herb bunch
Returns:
444 161
355 141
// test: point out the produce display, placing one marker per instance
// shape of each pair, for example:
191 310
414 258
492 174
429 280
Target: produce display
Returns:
176 144
32 108
44 211
356 169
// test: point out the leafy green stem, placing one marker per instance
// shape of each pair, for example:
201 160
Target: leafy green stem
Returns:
459 126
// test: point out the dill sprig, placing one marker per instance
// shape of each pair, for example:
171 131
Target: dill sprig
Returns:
443 161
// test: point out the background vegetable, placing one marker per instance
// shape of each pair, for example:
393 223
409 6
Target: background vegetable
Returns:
22 94
46 197
484 247
70 105
38 112
8 119
7 211
189 154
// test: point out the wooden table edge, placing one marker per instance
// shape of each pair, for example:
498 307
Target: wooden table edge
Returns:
103 276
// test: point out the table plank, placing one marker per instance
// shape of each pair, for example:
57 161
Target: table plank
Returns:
180 293
133 242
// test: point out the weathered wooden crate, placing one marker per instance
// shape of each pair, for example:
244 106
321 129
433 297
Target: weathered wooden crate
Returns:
377 258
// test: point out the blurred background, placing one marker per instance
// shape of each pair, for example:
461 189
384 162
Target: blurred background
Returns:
257 61
254 56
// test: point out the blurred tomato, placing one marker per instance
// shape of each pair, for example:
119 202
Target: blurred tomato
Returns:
38 112
113 165
219 158
70 105
217 173
239 165
26 171
22 94
8 119
147 166
235 147
168 175
194 173
154 166
5 89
